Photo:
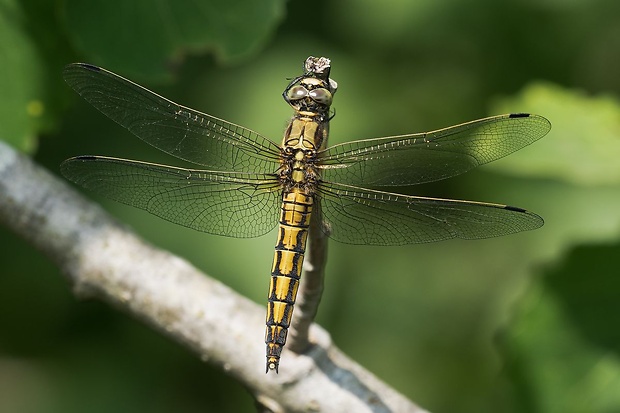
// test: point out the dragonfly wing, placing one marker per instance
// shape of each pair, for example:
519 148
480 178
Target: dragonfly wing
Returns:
222 203
180 131
432 156
361 216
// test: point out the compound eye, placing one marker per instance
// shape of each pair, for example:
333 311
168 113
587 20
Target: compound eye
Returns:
297 92
322 96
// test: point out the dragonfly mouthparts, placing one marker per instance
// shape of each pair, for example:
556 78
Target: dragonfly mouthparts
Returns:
317 66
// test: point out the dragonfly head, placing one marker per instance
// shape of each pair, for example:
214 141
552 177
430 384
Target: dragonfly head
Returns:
314 90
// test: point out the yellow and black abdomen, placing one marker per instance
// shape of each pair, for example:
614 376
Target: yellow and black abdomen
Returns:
286 270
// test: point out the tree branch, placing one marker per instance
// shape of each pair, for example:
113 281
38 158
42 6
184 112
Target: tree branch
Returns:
105 260
311 288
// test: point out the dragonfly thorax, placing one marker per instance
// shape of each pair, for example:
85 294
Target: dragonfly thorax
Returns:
299 169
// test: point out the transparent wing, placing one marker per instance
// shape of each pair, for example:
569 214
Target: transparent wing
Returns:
222 203
361 216
426 157
185 133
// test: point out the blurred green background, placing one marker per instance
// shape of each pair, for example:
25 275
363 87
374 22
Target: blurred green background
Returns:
525 323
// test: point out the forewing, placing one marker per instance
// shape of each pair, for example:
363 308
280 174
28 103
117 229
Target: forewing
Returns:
183 132
361 216
231 204
432 156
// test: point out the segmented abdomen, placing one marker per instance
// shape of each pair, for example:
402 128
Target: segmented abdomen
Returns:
286 271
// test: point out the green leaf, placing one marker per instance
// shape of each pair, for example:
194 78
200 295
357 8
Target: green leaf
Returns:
141 37
33 53
583 146
562 347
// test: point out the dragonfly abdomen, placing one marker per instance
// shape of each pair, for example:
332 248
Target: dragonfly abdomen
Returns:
286 271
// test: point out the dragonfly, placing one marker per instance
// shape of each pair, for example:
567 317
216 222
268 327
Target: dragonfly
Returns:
246 185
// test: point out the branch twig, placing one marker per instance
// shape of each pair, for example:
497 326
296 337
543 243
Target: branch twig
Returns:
311 289
105 260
